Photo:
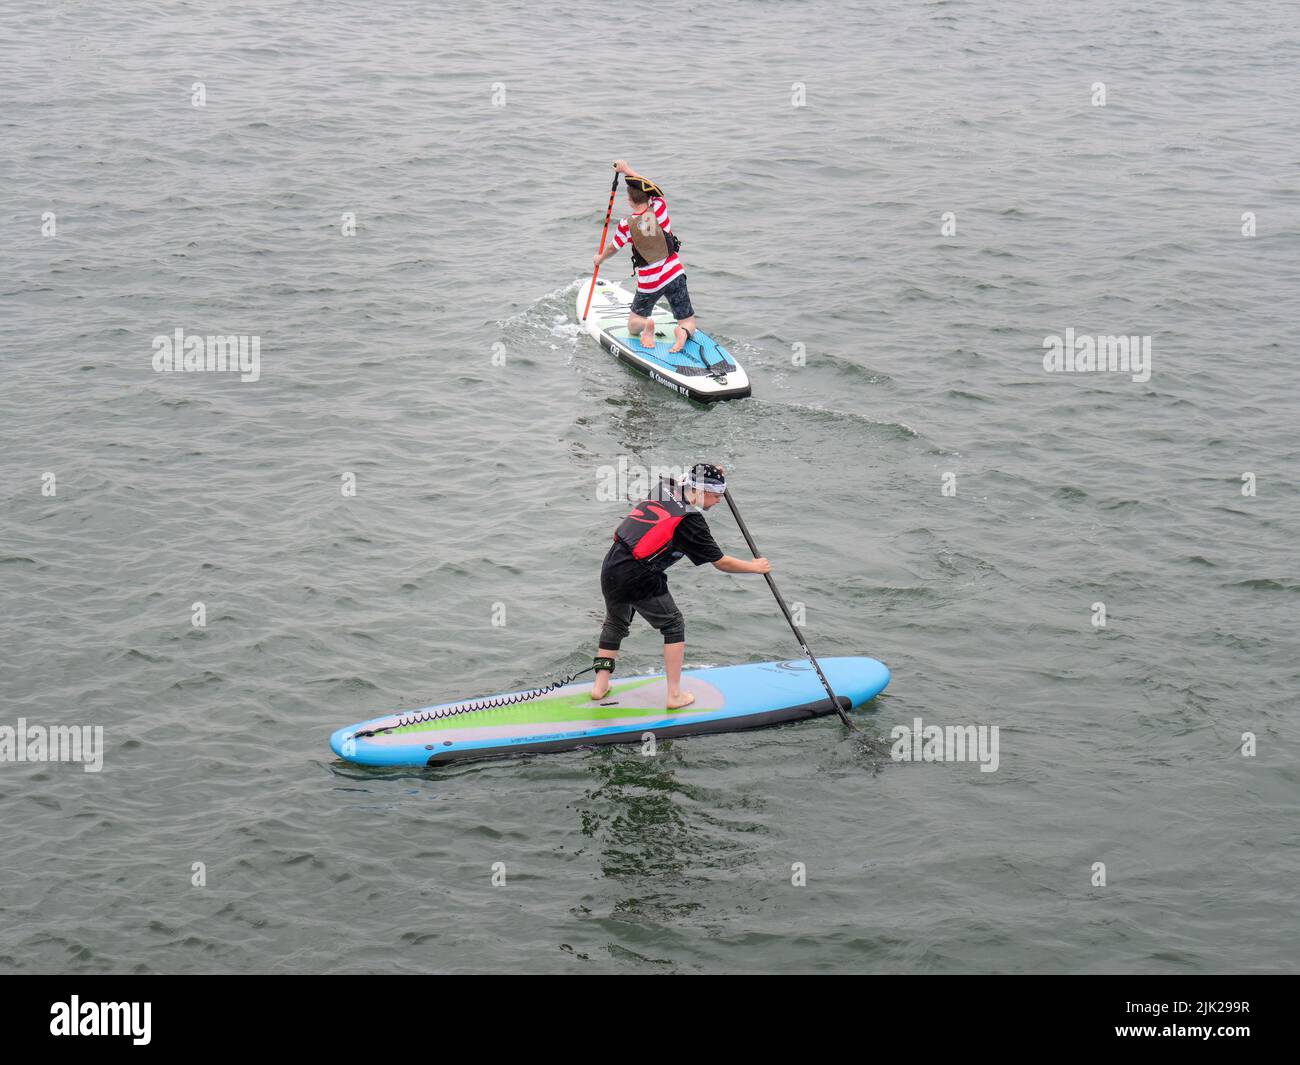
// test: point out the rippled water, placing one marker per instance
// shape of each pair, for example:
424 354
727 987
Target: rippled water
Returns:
473 147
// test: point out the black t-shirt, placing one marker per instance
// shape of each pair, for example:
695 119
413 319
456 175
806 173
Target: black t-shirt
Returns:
634 579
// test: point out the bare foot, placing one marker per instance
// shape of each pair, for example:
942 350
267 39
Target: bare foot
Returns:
680 336
676 700
598 692
648 336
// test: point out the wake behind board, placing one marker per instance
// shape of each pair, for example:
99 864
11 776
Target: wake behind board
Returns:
727 699
702 370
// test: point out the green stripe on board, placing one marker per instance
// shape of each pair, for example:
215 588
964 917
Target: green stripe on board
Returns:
575 707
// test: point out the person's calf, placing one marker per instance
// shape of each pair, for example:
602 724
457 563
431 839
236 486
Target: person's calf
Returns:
674 653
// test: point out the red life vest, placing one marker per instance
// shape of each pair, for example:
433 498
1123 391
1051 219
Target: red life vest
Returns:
648 530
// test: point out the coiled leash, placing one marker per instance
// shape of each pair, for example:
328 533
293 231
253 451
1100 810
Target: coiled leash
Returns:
442 712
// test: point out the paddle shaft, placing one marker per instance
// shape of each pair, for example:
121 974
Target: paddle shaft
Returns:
744 531
613 191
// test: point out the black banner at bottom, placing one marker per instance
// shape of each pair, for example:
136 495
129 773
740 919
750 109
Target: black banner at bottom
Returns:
342 1013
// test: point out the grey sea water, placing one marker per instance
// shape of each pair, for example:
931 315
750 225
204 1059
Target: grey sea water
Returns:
930 494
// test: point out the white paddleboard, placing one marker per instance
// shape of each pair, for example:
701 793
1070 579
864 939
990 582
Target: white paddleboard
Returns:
703 370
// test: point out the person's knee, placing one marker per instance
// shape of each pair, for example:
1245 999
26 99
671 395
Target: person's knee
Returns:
674 630
613 632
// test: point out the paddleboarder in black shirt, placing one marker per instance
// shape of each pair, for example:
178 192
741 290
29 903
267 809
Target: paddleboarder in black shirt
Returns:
658 533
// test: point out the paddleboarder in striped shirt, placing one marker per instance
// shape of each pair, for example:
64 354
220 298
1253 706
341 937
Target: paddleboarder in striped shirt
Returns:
659 272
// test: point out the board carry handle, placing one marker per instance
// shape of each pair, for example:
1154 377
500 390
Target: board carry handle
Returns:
803 644
613 191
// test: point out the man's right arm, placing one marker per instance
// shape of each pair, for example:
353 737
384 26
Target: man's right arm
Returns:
614 246
694 539
740 565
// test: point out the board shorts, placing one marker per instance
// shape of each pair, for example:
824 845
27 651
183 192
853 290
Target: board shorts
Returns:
679 299
621 603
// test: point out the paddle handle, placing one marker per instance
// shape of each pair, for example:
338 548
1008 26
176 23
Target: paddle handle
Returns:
776 592
613 191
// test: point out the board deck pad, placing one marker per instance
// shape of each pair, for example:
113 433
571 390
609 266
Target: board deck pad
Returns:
727 698
694 371
699 355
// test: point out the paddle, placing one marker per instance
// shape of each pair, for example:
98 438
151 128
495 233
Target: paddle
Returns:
613 191
788 617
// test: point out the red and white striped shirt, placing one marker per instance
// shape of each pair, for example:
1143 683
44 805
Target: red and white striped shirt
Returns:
652 276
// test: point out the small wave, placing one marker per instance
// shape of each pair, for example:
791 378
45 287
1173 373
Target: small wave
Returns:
901 429
1070 494
1267 584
